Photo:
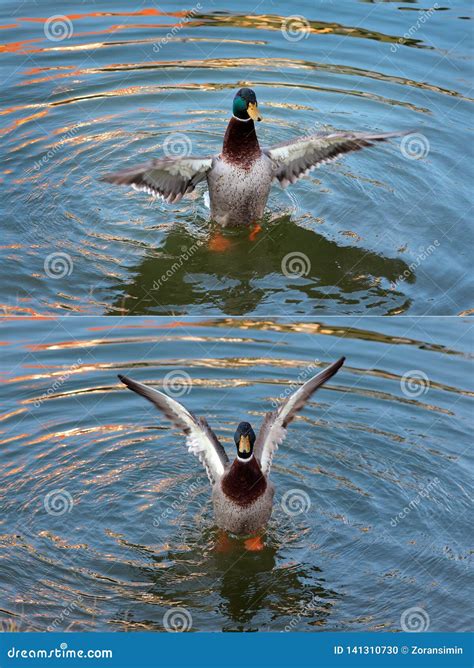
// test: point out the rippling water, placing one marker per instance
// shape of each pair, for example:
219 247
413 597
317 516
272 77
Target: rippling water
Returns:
106 523
381 232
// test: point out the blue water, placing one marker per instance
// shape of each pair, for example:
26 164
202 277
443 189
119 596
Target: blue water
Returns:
381 231
106 521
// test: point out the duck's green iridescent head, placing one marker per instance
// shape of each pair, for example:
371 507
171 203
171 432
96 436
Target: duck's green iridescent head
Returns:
245 105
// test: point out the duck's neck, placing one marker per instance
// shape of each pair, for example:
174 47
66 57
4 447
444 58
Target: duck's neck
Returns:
244 482
240 143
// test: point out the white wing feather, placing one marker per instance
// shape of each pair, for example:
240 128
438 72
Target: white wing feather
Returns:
275 424
200 439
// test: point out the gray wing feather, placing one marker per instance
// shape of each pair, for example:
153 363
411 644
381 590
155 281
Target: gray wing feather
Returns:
168 178
298 157
274 426
200 438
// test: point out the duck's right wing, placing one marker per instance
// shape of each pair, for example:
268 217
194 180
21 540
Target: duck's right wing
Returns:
168 178
200 438
297 157
275 424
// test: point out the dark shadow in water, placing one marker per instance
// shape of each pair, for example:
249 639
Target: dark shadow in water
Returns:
237 590
187 273
292 596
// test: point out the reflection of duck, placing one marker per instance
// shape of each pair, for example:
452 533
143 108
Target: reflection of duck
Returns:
233 591
242 493
260 591
240 178
188 277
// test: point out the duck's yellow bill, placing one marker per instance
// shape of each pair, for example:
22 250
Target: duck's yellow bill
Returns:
244 444
253 112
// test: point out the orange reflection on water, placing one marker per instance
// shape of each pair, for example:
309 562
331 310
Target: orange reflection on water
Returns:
5 416
22 121
151 11
146 324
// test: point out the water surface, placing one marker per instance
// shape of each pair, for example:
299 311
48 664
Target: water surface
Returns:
112 84
106 521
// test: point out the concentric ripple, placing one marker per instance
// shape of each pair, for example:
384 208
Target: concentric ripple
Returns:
383 231
106 521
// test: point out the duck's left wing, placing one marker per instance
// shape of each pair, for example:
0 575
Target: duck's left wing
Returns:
200 438
168 178
298 157
275 424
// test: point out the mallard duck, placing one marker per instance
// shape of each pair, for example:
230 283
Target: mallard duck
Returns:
242 493
240 178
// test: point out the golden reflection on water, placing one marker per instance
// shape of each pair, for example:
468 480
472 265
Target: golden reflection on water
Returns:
251 21
252 64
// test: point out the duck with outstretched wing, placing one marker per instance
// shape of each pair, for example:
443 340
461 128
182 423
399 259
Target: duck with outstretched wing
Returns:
240 177
242 493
